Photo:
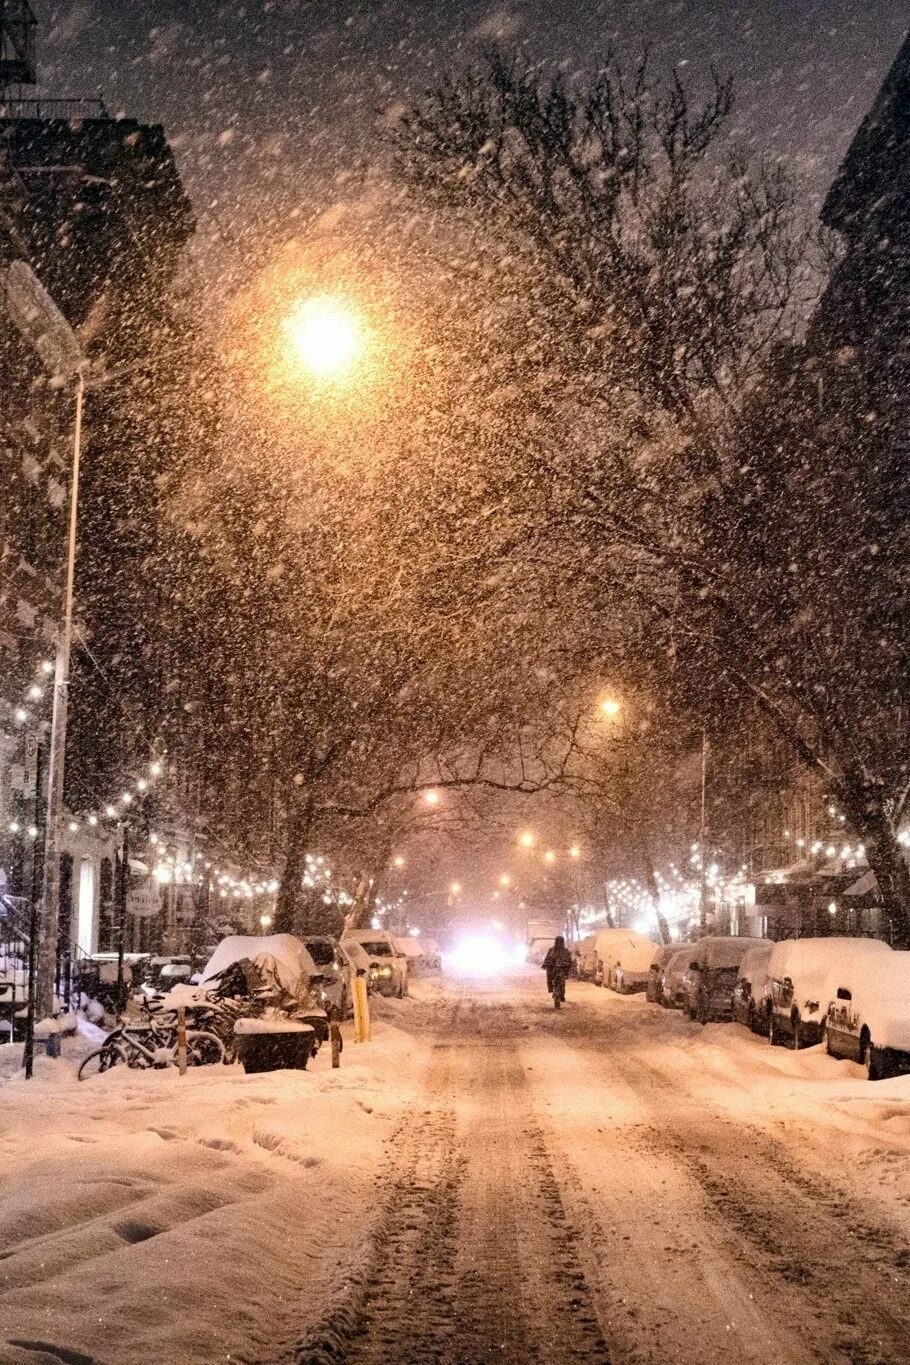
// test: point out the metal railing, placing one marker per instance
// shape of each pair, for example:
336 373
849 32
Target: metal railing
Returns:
15 935
67 110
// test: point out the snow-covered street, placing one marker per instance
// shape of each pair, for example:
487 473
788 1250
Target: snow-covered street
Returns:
487 1180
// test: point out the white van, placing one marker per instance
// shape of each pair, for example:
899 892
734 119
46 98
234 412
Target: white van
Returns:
798 973
868 1017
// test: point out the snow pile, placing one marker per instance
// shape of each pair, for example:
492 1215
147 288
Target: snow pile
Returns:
189 1219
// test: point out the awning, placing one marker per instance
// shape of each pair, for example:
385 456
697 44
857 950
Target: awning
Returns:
865 885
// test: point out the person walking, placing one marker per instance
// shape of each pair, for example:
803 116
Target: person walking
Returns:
557 964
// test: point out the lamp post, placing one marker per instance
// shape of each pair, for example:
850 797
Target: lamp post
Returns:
47 331
44 327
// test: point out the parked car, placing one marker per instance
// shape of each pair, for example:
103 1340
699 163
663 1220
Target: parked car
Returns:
710 977
606 952
662 954
798 971
388 964
413 950
868 1017
671 994
359 959
432 953
336 969
748 993
585 954
633 964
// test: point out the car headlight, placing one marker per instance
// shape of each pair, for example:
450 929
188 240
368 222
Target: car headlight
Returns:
385 971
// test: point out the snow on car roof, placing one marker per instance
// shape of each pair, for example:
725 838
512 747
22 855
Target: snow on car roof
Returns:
636 954
812 958
872 976
719 951
755 962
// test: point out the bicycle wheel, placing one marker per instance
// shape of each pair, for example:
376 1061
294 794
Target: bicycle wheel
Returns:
101 1060
203 1049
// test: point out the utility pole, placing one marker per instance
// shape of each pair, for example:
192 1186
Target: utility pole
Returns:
702 838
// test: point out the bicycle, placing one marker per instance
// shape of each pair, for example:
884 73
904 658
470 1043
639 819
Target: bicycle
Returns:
152 1045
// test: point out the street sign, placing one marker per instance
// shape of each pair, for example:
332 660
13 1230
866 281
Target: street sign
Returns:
144 899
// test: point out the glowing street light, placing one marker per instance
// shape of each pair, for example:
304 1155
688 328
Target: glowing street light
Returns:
505 880
432 798
455 888
327 337
574 851
610 707
549 856
526 839
398 861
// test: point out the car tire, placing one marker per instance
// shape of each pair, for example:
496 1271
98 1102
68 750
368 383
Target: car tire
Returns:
872 1062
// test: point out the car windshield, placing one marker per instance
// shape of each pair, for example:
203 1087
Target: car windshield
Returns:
378 948
322 953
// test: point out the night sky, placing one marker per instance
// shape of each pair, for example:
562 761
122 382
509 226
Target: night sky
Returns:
273 108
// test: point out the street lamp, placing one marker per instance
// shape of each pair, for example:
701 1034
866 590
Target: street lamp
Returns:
527 839
610 707
327 337
44 327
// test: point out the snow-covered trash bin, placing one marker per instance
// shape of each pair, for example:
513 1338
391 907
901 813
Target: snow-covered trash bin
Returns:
274 1044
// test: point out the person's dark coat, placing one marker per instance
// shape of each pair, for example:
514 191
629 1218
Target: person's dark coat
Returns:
558 963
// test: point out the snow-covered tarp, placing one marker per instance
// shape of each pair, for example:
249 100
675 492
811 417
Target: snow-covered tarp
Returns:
293 965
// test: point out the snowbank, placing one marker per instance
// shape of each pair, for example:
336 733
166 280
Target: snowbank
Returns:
189 1219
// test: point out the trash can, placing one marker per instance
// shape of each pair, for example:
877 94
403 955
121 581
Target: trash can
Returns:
274 1044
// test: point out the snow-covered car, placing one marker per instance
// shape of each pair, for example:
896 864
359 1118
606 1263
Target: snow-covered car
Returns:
337 971
388 964
749 991
633 964
432 953
413 950
798 972
710 977
671 994
606 951
662 954
585 954
868 1017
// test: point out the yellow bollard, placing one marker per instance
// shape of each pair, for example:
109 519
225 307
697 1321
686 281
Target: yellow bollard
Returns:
361 1009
